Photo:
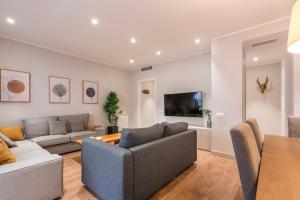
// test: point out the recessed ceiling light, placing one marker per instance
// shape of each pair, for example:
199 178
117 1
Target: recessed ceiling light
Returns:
133 40
10 20
158 53
197 41
94 21
255 59
131 61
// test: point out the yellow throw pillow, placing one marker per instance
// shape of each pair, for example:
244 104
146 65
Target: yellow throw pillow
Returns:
14 133
6 156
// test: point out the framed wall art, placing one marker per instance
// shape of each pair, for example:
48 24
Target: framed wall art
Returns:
59 90
90 92
15 86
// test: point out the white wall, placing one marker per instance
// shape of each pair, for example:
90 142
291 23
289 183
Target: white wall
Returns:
227 81
148 104
266 108
43 63
186 75
287 93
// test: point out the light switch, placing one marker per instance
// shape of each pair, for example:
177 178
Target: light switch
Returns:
220 114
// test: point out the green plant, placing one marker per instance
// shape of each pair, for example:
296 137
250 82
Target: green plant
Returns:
207 112
112 109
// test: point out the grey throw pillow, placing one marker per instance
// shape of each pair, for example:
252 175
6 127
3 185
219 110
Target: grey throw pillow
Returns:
57 127
175 128
138 136
76 125
8 141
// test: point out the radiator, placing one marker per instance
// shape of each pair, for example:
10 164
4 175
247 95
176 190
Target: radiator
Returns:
123 122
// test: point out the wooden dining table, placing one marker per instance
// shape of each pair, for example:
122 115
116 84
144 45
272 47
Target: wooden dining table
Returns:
279 174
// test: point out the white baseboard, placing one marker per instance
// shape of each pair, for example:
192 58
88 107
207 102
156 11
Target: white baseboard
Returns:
222 154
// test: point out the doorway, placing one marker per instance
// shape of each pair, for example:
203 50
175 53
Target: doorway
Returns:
146 103
265 82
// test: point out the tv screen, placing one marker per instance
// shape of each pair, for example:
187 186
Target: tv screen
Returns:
183 104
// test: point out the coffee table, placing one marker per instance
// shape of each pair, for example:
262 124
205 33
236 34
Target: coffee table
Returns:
111 138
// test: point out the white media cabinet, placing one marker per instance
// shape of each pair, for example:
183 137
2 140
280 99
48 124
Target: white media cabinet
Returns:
203 137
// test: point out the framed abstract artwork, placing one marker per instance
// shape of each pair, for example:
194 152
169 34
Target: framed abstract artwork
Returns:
15 86
89 92
59 89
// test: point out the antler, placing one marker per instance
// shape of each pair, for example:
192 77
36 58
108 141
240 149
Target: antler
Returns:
258 82
267 80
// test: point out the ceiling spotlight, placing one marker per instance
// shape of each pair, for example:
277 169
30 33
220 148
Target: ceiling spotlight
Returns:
255 59
133 40
158 53
94 21
131 61
10 20
197 41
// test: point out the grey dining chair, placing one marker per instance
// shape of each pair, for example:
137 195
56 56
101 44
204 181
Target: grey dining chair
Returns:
252 122
294 126
247 157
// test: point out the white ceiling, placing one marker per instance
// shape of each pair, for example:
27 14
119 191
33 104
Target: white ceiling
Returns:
170 26
269 53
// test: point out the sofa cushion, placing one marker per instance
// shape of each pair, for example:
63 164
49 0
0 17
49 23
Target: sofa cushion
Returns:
37 127
50 140
82 134
135 137
14 133
31 154
8 141
57 127
83 117
76 125
25 147
6 156
175 128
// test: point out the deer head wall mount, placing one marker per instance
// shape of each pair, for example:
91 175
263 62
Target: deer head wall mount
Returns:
262 86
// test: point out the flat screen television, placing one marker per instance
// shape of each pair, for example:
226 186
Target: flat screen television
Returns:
183 104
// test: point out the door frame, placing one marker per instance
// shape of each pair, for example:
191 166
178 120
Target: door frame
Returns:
139 100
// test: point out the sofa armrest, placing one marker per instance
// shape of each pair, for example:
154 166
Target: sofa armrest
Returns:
158 162
39 178
100 130
107 170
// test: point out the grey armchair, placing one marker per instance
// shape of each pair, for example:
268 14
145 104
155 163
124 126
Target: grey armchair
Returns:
247 157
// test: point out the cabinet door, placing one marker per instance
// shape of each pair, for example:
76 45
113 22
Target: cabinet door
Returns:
203 139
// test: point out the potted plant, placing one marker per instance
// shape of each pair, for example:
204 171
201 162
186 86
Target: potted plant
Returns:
207 112
112 109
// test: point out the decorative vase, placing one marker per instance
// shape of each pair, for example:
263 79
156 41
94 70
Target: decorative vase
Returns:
112 129
208 122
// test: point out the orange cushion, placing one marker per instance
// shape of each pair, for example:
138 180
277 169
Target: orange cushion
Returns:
6 156
14 133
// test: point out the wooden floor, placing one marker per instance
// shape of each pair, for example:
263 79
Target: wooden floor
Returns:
212 177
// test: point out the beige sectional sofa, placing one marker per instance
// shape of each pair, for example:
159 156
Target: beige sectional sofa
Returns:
38 171
36 175
37 130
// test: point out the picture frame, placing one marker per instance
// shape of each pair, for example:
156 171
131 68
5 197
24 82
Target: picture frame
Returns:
59 90
90 92
15 86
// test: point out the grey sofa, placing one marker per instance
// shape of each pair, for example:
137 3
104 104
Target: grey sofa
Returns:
149 161
35 175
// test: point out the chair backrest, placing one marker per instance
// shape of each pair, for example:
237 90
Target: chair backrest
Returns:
252 122
247 157
294 126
